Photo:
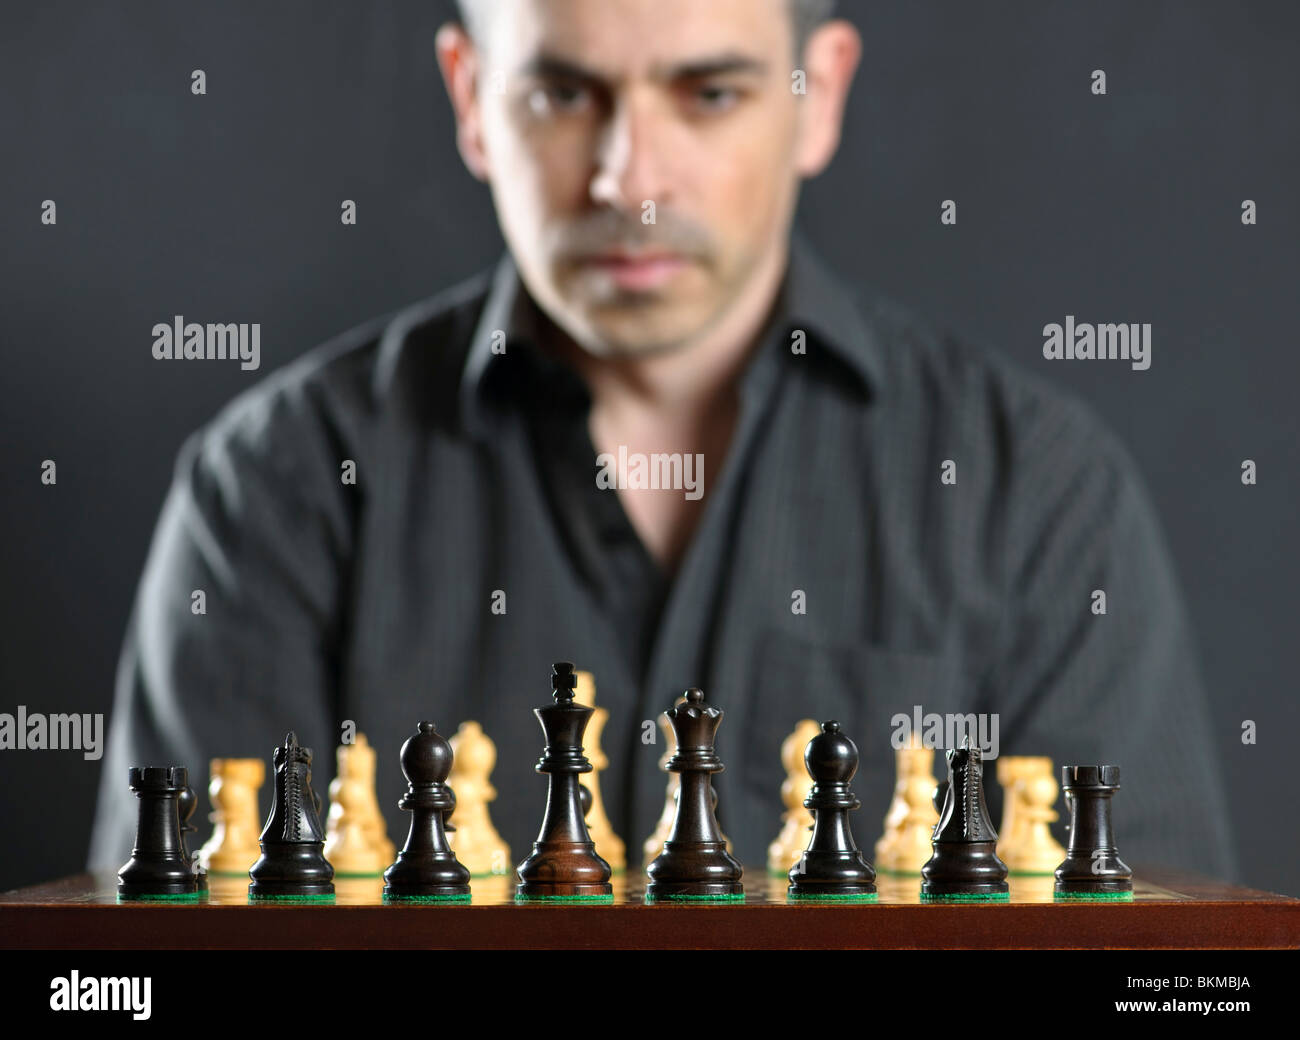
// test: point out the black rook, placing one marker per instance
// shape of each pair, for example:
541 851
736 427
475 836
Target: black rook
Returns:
1092 866
158 866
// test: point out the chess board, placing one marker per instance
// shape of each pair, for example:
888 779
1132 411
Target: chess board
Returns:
1169 910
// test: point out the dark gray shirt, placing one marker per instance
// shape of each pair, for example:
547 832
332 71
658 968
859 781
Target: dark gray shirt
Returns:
475 486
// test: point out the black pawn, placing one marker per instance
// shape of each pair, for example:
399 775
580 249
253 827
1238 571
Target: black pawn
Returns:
832 865
426 868
158 865
563 863
1092 866
964 863
447 826
293 861
186 803
694 862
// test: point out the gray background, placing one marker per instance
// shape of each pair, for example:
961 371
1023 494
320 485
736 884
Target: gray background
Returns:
225 208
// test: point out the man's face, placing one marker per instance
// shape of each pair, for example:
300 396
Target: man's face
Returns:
641 156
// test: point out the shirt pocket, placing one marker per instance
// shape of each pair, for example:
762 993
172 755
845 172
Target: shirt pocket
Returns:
861 686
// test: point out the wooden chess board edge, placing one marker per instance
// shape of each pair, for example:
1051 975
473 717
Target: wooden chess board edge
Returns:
1225 925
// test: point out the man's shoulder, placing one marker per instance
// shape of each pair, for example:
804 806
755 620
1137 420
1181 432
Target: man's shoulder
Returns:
349 380
986 392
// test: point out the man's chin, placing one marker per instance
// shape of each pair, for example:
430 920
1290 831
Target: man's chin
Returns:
637 325
620 344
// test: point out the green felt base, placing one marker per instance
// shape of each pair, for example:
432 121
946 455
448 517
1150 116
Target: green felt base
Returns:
1031 873
162 897
427 899
735 897
1087 897
356 877
229 873
967 897
833 897
555 900
322 898
491 874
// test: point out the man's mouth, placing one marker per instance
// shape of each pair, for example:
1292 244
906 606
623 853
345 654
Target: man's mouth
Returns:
636 270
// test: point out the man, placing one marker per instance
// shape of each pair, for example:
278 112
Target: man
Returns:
663 441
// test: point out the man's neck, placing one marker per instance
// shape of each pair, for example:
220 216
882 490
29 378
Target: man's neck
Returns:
683 402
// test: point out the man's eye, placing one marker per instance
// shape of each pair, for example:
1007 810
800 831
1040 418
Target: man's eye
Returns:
715 98
557 98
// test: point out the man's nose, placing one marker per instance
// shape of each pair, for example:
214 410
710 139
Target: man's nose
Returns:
631 159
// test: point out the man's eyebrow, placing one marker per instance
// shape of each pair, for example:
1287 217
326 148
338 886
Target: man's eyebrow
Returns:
716 65
549 66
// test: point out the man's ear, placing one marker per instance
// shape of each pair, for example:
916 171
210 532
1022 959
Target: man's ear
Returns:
830 60
458 59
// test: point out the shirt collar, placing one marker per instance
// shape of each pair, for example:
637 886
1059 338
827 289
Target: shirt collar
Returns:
816 300
812 299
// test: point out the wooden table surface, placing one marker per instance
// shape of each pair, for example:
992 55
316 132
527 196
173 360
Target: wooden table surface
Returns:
1170 910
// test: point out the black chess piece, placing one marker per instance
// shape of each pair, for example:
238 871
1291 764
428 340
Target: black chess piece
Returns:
292 864
832 866
564 864
186 803
426 868
447 826
584 798
694 863
158 867
964 864
1092 867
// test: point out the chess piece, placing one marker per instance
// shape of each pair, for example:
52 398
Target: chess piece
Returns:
292 864
186 802
233 788
372 818
609 845
475 839
1092 868
158 867
1025 842
695 863
789 844
355 842
832 866
909 824
655 843
564 864
964 865
426 868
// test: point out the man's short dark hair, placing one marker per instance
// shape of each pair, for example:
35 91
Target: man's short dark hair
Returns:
806 14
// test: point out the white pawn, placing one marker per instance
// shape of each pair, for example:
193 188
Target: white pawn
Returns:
475 840
609 846
1025 842
655 843
783 853
233 787
351 829
906 845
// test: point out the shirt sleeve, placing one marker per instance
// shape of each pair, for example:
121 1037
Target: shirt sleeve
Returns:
232 640
1121 687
